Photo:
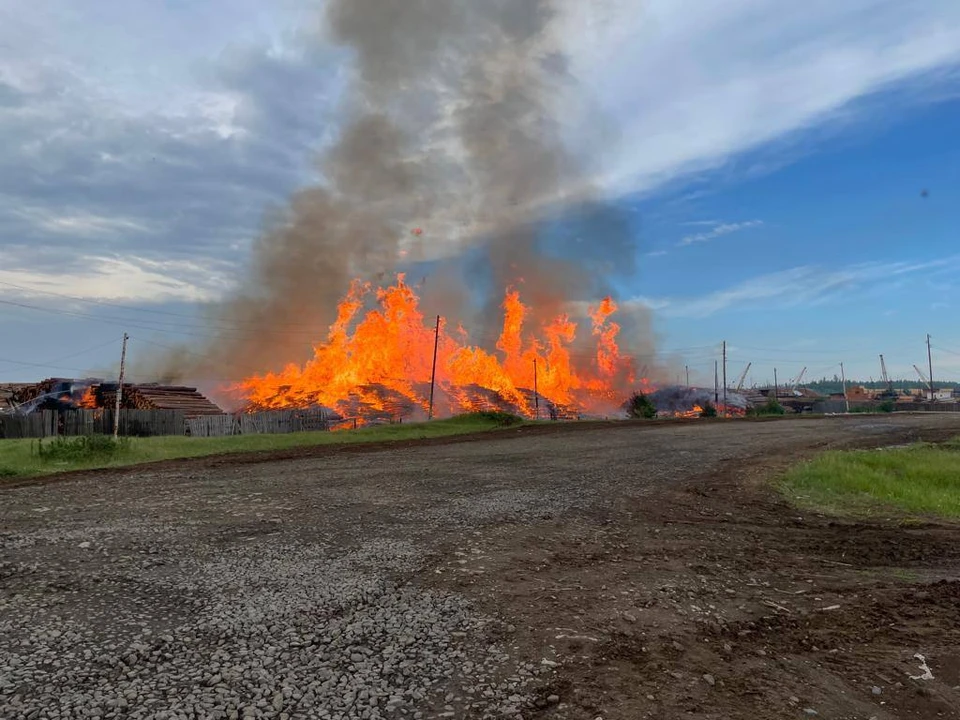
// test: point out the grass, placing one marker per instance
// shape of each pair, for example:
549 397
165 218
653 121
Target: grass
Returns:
24 458
921 480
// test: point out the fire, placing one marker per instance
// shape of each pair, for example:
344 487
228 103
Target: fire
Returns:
380 362
88 400
694 412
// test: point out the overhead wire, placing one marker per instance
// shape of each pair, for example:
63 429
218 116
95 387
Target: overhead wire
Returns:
49 364
156 325
692 356
121 306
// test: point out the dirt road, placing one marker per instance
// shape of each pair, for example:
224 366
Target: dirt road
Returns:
576 572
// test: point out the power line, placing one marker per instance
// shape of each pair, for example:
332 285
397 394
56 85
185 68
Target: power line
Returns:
156 325
203 331
49 364
119 306
943 349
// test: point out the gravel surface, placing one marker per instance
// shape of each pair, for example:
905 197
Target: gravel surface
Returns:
294 589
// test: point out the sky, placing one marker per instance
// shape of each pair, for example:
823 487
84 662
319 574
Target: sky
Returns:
793 171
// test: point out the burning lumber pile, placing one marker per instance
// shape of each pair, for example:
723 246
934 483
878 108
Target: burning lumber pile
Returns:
475 398
52 393
682 401
381 360
26 392
377 403
65 394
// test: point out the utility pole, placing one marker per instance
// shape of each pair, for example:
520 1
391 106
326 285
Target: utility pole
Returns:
716 384
687 370
930 365
724 378
433 373
536 391
116 409
843 379
776 386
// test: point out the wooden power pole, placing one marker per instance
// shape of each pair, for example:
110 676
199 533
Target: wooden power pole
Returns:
716 384
116 409
843 379
536 391
433 373
724 378
933 396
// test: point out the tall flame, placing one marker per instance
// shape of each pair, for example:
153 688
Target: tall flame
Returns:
388 358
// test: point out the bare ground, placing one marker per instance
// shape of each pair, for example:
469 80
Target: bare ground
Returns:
561 572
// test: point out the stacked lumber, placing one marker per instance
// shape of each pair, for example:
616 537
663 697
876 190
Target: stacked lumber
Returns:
377 403
8 394
147 396
152 396
25 392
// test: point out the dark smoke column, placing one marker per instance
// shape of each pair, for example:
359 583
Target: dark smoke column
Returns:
450 122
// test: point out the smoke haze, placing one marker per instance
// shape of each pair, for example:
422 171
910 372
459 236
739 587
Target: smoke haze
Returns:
450 123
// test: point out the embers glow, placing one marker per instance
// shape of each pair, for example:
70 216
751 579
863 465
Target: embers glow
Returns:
694 412
379 363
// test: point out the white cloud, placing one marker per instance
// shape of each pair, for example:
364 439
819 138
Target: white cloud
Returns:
82 224
113 279
805 285
689 85
139 126
719 231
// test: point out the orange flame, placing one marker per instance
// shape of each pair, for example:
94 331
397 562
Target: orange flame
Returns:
694 412
384 364
88 400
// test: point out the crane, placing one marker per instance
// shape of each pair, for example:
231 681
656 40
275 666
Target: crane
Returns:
925 380
796 381
889 393
743 376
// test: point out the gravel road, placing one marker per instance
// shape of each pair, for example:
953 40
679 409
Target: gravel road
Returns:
308 588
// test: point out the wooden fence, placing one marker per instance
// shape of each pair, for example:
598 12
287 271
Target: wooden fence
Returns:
72 423
266 423
147 423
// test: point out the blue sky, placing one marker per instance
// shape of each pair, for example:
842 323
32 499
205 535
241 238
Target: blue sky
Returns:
773 161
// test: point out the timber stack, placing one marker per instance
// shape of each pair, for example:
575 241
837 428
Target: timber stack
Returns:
65 394
153 396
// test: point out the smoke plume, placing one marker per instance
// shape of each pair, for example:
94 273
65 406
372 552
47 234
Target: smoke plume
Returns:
451 123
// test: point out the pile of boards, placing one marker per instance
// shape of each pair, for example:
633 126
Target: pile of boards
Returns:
154 396
99 394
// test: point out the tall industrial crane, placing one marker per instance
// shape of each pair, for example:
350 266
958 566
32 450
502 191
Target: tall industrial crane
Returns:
792 385
925 380
888 393
743 376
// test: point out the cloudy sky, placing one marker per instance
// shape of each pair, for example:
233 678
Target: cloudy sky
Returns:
794 168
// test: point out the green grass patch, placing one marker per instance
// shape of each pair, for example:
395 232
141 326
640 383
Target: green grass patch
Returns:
23 458
88 448
920 480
